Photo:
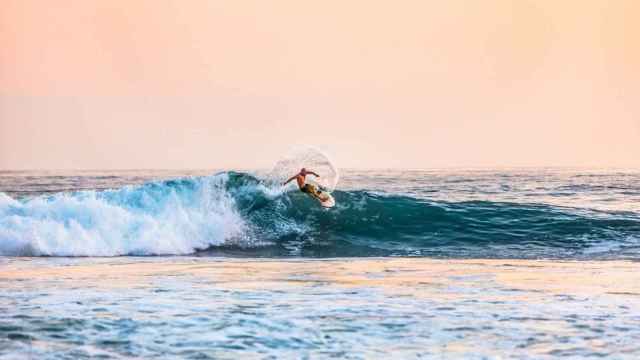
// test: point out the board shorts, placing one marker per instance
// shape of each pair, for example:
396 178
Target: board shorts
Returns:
311 189
308 188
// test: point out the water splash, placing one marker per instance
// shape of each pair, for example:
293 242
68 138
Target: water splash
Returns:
306 157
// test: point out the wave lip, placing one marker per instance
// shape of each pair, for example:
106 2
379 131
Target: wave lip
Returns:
238 214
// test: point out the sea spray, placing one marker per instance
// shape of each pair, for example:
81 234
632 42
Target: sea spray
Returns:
305 157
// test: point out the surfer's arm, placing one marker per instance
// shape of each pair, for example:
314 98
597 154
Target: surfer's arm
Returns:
288 181
312 173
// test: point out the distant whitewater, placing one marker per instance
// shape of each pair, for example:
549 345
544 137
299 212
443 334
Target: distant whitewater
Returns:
510 214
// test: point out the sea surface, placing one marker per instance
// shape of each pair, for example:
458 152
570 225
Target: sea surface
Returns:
528 263
511 213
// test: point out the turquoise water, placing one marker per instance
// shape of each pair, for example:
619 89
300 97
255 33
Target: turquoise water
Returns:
226 265
531 213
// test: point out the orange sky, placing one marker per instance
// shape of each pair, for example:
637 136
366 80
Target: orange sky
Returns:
213 84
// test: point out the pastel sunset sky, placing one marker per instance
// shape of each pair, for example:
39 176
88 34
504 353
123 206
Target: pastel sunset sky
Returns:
96 84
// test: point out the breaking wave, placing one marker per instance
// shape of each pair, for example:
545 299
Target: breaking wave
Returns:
237 213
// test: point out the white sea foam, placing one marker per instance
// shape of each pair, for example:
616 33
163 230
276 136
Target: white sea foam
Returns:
153 219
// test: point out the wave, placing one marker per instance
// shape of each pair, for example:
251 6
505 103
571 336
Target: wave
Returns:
236 213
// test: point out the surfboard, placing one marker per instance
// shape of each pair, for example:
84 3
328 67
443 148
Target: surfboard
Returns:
324 197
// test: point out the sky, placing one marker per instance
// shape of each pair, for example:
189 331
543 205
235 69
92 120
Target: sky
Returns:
122 84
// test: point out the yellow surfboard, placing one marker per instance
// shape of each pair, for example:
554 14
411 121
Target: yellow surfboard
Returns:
324 197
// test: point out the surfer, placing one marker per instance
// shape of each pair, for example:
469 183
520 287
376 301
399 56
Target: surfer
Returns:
300 178
313 190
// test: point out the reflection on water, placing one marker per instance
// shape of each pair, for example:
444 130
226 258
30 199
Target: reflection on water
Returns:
203 308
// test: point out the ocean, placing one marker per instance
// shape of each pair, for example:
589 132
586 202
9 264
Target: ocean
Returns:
442 263
521 213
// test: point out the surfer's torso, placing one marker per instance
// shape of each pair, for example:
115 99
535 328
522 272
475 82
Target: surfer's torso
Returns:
301 179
